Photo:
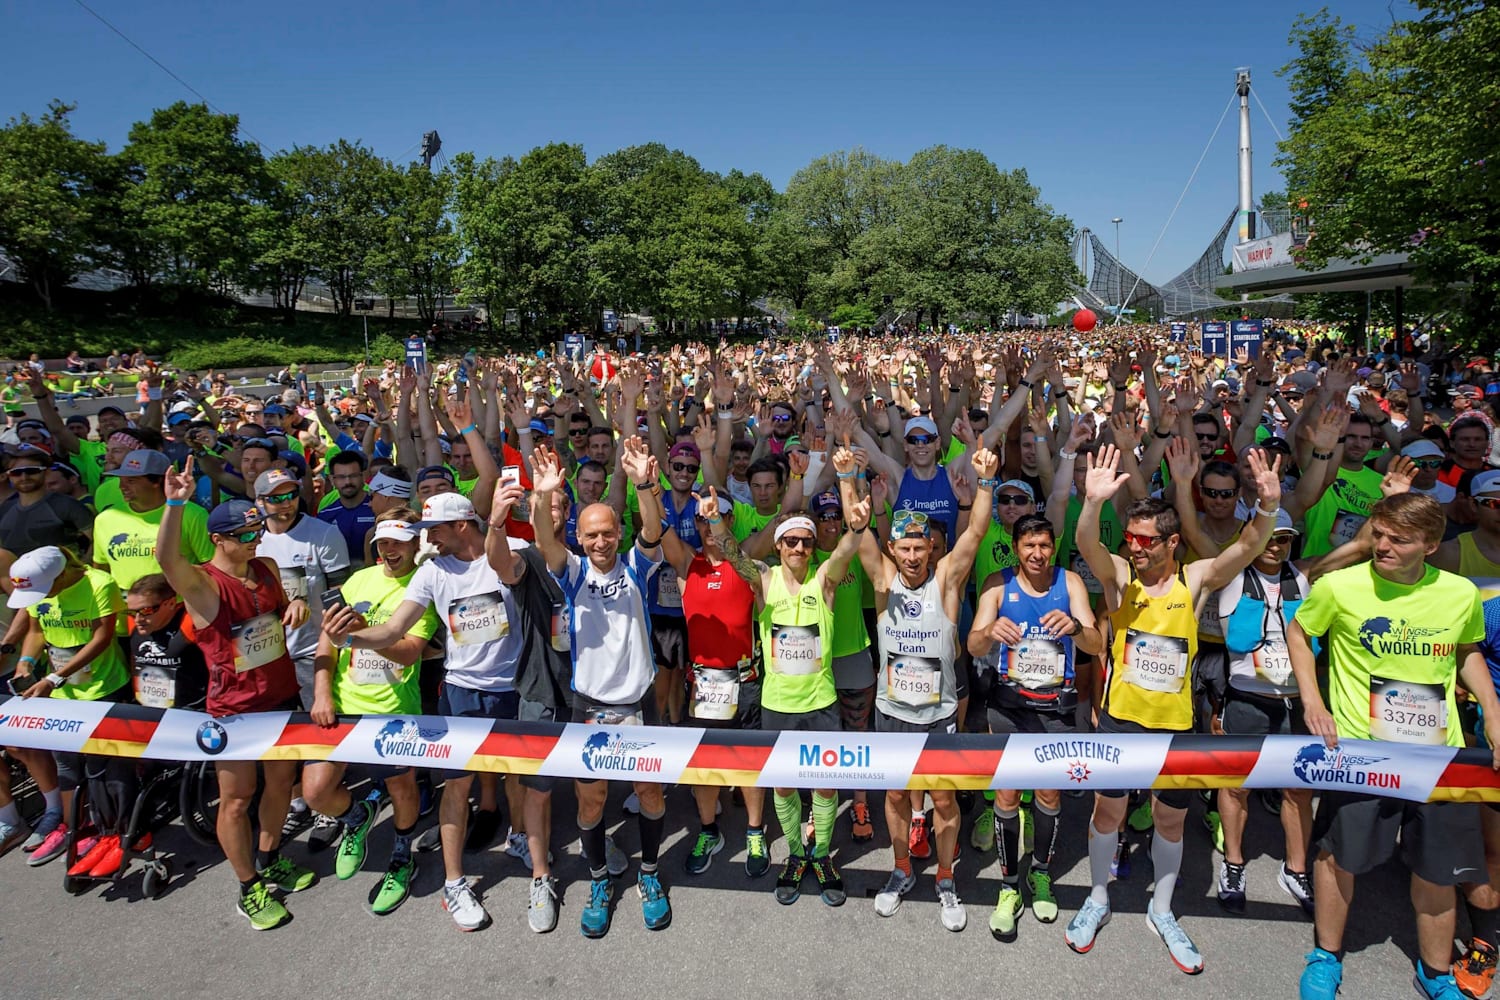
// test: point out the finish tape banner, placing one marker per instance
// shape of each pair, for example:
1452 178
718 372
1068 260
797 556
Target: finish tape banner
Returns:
683 755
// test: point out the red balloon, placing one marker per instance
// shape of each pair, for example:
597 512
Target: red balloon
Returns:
604 367
1084 320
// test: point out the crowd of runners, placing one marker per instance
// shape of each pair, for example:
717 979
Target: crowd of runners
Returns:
1034 532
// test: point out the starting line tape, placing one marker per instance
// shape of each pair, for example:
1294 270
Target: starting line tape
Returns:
682 755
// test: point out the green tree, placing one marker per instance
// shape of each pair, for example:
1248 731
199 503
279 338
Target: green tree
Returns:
418 248
832 203
46 174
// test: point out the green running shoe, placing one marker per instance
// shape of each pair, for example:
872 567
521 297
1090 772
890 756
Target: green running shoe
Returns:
1043 903
289 876
395 886
757 857
351 854
1007 911
982 836
707 845
1140 817
1214 824
263 910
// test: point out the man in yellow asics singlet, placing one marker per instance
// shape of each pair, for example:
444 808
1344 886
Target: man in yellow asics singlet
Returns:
1475 555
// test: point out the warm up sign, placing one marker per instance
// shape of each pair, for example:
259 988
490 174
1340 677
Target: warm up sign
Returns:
787 759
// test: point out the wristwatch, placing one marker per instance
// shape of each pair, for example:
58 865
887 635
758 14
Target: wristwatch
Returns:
6 648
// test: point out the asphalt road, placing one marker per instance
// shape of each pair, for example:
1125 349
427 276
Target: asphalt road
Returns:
729 937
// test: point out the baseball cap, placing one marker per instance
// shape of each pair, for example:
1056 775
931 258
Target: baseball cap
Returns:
179 418
792 524
396 530
110 409
1487 481
685 448
274 409
827 500
446 508
923 424
1284 523
390 486
433 472
1422 448
233 516
32 575
183 407
1472 391
540 427
143 462
1018 484
273 481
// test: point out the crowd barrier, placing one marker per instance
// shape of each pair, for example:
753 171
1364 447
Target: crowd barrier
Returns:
686 755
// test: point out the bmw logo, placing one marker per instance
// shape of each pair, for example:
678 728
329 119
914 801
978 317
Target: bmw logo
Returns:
212 739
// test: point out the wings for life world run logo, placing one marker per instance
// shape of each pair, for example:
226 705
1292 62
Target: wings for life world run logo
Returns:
404 738
1383 637
1318 764
611 751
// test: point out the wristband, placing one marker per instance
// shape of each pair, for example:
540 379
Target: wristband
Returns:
349 641
796 475
474 427
1262 512
1265 383
1322 456
1077 625
992 483
1025 383
643 486
1162 434
965 506
56 679
713 520
28 660
847 475
1065 453
884 434
1120 388
176 503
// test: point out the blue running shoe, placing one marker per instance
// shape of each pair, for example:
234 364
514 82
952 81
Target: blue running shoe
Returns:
594 920
1084 926
1322 977
656 908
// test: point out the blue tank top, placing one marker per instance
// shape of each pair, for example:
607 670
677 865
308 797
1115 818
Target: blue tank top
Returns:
1040 665
934 497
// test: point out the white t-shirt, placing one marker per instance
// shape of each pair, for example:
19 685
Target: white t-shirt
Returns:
306 554
608 628
479 613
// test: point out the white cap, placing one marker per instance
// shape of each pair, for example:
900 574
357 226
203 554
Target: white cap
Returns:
390 486
792 524
920 424
396 530
184 407
1487 481
1422 448
1284 523
33 575
445 508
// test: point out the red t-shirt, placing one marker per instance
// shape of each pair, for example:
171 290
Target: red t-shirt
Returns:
245 674
720 611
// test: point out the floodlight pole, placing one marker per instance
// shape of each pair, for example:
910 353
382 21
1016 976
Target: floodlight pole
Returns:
1247 192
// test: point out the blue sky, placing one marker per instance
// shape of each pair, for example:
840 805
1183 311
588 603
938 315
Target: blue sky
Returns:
1106 105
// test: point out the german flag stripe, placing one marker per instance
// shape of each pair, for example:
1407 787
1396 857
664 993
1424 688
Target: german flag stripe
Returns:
308 734
503 764
520 745
1468 780
731 751
718 776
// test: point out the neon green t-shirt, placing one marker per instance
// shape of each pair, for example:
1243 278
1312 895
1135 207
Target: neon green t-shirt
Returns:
1341 511
1391 649
107 495
66 625
1111 534
125 541
366 683
748 520
849 632
90 463
995 552
796 641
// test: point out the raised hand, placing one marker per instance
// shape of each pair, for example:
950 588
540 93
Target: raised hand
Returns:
857 514
1411 378
1103 479
546 470
1182 460
636 460
180 485
1127 431
1329 426
460 412
986 463
1398 476
798 462
843 459
507 495
1267 478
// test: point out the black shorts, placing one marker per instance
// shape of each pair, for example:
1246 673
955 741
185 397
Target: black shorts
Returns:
462 702
1172 798
1248 714
1005 721
886 724
669 641
1441 842
822 720
746 713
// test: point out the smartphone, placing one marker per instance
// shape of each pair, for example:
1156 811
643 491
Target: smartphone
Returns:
332 599
18 685
510 474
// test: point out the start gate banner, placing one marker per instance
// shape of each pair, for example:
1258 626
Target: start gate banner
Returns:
684 755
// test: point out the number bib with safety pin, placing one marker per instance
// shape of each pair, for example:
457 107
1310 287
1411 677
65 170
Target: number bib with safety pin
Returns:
668 588
368 668
1155 662
716 693
60 656
561 641
1038 662
1273 662
478 619
1090 581
1345 526
1408 712
258 641
915 681
156 687
796 650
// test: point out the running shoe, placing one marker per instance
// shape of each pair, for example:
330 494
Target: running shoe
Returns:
1297 885
10 835
1043 902
518 846
84 844
789 882
1475 971
288 876
1232 886
48 822
632 805
862 828
110 861
918 842
1214 824
830 882
53 845
1084 927
87 859
326 832
1322 977
955 918
1436 987
1006 913
1140 819
757 857
1119 866
541 913
593 922
296 821
897 885
704 849
656 908
263 910
1180 947
982 835
351 854
395 886
464 907
483 825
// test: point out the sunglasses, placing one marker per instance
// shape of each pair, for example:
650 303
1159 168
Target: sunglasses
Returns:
1490 503
920 439
280 498
577 431
1427 463
151 609
26 470
244 537
780 418
682 467
1012 500
1218 494
1208 437
1285 538
797 541
1142 541
831 515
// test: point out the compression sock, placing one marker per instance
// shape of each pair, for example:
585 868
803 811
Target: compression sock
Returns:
1101 853
1044 837
401 847
1009 844
944 872
1166 860
789 813
651 828
824 810
593 846
53 799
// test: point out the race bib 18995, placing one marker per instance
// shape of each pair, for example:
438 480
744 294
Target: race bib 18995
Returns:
1155 662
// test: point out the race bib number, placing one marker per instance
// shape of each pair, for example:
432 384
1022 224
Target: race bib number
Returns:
668 588
1407 712
1273 663
156 687
60 656
258 641
1038 662
368 668
294 582
1345 527
1210 626
913 680
716 693
561 641
1155 662
796 650
475 620
1090 581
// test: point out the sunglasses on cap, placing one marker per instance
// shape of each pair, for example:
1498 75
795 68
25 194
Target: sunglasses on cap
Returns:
831 515
920 439
1218 494
1142 541
263 442
684 467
